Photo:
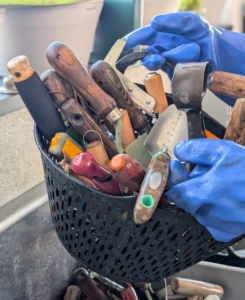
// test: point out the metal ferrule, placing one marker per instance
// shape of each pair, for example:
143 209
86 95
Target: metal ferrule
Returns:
115 115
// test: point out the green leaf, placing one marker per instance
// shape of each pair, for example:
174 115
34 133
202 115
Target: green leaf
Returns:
189 5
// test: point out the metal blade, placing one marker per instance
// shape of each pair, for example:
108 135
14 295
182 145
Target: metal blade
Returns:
169 130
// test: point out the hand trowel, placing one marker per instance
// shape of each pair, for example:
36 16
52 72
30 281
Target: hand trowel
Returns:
169 130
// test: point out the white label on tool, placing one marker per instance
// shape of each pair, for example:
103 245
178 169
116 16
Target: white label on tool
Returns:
155 180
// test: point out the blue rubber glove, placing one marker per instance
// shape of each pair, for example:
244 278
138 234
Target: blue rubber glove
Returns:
215 190
186 37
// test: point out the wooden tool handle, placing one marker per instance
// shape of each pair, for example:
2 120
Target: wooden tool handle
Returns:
83 123
106 77
235 130
72 293
58 88
127 131
152 187
67 65
228 84
191 287
36 97
154 86
20 68
97 150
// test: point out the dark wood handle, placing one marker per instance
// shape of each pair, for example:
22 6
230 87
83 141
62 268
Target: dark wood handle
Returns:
106 77
82 122
228 84
58 88
235 130
154 86
152 187
67 65
36 97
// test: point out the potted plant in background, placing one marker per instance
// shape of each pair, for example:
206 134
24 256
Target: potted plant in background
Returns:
193 6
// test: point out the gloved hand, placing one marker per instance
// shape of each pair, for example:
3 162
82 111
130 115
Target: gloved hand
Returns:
215 190
186 37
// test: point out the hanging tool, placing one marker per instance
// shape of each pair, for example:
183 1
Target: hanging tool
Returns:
68 66
35 97
154 86
60 91
235 130
188 90
107 78
140 98
223 83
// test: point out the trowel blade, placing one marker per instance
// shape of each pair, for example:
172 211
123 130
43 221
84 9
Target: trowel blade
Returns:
169 130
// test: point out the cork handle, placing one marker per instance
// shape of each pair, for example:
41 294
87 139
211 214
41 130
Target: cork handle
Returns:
20 68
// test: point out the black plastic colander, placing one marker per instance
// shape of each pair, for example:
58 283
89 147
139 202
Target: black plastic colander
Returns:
98 230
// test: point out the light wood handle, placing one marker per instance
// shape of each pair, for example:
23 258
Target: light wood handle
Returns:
67 65
154 86
20 68
127 130
228 84
235 130
152 187
72 293
97 150
191 287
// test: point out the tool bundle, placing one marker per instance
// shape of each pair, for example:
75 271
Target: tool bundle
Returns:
90 285
106 162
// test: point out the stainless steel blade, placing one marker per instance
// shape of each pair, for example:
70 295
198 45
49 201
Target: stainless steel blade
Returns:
169 130
140 98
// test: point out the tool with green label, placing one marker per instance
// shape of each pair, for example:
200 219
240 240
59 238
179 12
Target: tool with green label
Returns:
169 130
152 187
